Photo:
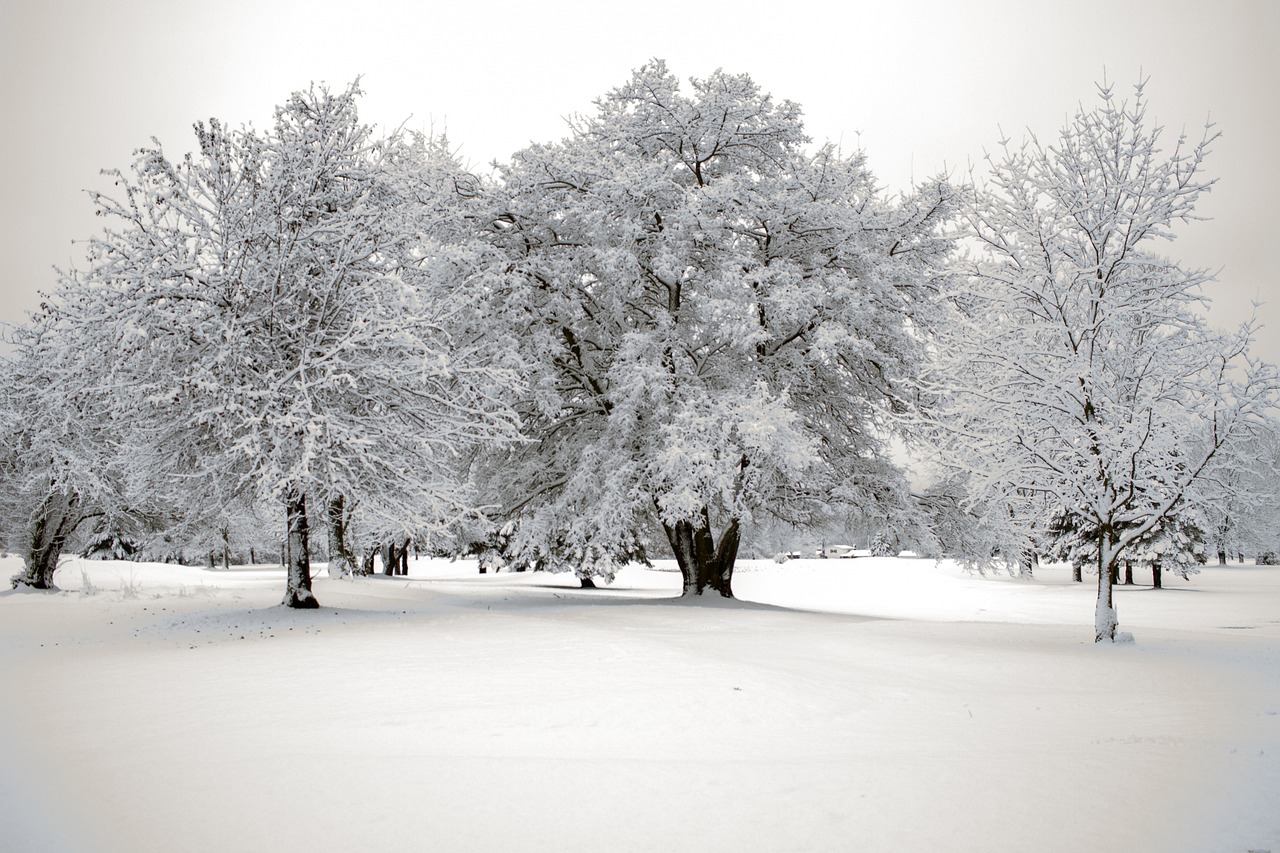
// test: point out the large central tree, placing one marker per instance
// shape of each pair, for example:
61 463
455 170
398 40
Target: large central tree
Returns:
718 320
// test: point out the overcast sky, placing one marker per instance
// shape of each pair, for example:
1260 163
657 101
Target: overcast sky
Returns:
920 86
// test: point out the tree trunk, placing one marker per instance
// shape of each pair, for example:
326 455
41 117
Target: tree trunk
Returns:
1077 570
342 562
586 582
704 565
1157 576
388 559
367 567
1222 556
1128 573
404 560
298 559
57 518
1027 564
1104 619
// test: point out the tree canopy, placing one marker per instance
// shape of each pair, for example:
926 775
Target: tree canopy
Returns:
1077 375
718 322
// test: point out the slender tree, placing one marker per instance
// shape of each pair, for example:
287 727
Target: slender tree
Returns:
1079 376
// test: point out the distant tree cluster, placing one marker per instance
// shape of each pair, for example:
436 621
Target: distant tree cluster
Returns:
680 325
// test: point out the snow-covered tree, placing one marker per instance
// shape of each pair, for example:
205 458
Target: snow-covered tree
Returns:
58 451
1079 376
277 321
717 322
1241 496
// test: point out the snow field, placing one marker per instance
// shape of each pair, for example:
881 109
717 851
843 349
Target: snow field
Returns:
847 705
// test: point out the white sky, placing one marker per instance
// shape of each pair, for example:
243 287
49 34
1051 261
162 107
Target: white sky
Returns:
920 86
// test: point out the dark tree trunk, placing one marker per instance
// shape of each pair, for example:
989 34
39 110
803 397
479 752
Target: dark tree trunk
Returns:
389 559
586 582
703 563
404 559
1128 573
367 566
1222 557
1027 564
1077 570
1157 576
297 557
211 564
341 561
226 548
57 518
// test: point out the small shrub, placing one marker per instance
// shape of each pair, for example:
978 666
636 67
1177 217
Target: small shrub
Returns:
1268 558
129 588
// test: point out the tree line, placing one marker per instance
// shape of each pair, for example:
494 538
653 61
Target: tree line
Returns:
679 323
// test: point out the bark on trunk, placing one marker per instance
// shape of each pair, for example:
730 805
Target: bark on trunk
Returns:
1077 570
1128 573
341 561
1222 557
704 564
389 559
404 560
298 559
586 582
1104 620
57 518
1157 576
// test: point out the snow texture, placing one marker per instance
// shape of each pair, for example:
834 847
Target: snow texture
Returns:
873 704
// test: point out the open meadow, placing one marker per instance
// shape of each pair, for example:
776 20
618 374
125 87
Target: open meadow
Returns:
867 704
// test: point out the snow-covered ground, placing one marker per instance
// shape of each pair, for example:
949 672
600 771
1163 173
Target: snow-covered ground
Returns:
868 705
